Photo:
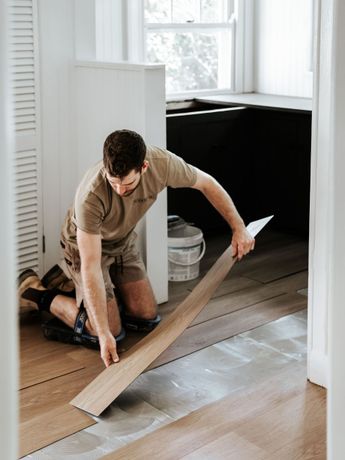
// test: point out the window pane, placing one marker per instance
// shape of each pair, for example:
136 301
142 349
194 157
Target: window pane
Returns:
194 60
214 10
186 11
158 11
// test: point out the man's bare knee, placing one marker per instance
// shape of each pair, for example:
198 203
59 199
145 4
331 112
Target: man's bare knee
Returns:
147 312
139 299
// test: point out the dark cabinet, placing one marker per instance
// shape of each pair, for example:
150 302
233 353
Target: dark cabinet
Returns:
261 157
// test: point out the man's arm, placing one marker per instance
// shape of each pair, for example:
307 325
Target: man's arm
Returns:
242 242
90 249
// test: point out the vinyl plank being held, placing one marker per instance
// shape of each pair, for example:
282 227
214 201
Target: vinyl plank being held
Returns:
112 381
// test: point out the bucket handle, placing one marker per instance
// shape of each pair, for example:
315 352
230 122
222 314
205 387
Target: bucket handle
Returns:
196 261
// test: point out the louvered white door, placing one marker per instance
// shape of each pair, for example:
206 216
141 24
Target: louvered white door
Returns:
24 66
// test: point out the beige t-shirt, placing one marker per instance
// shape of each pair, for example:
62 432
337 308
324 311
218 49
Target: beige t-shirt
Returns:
98 209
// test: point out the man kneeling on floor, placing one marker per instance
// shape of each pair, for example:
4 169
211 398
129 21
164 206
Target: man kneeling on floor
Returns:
98 243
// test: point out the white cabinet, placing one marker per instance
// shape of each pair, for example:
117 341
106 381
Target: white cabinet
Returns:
112 96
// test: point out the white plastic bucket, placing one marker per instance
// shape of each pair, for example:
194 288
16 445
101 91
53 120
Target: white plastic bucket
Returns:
186 247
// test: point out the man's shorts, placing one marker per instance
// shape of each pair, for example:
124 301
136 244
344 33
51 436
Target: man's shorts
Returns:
120 268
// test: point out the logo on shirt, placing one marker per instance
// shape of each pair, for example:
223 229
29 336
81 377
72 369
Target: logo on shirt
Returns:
143 200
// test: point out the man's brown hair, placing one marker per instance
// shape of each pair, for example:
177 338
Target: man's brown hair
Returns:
123 151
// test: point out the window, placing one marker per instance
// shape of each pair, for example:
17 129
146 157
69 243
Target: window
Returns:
206 45
194 39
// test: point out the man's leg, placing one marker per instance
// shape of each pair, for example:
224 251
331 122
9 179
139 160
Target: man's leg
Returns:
139 299
33 294
128 275
66 310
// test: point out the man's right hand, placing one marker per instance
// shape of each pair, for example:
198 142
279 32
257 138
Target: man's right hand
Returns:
108 349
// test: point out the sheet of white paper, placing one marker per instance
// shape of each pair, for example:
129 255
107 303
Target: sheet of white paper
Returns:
257 225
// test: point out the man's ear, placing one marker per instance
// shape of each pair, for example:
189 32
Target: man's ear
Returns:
145 166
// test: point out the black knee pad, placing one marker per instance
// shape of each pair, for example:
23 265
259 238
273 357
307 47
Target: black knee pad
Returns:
139 324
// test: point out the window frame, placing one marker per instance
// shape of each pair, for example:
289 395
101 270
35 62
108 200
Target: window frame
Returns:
131 22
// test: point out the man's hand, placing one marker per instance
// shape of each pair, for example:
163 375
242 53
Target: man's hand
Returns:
242 242
108 349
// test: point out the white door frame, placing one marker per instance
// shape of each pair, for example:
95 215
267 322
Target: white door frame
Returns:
8 324
326 364
320 201
334 36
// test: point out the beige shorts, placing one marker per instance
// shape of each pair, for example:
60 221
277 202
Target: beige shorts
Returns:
123 267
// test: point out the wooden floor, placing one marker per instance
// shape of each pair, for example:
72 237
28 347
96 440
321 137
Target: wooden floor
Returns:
284 419
260 289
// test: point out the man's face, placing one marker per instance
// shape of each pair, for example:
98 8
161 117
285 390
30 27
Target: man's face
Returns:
126 185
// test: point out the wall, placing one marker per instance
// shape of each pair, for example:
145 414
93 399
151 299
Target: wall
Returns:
8 310
59 161
283 47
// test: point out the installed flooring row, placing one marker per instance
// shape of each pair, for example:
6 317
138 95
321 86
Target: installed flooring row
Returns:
284 417
261 288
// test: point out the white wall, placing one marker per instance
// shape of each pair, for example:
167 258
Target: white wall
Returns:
282 47
111 21
8 310
59 160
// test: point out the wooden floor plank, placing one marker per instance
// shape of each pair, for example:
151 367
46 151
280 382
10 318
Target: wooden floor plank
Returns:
224 305
33 342
233 284
236 414
296 422
291 283
50 426
274 264
305 447
246 297
228 286
230 447
40 399
40 359
47 367
213 331
113 380
46 405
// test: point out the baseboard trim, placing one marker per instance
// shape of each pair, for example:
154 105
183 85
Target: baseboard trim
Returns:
318 368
